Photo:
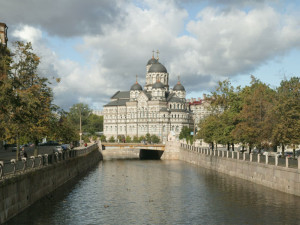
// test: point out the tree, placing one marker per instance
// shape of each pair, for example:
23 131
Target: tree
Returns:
135 139
148 137
128 139
94 124
255 119
185 133
287 113
111 139
103 138
155 139
29 106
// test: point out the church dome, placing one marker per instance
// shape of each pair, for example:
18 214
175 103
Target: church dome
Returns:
136 87
152 61
158 84
178 87
157 68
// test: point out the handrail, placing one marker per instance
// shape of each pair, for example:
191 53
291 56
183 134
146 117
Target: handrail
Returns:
26 164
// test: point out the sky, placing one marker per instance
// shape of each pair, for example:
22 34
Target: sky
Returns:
97 47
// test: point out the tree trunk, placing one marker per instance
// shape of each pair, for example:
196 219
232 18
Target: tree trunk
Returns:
250 148
36 148
18 148
282 150
212 146
294 151
228 146
232 144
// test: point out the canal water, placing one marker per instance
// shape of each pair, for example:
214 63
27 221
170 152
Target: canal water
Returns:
160 192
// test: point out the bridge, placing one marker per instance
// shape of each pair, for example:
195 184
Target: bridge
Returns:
108 146
132 150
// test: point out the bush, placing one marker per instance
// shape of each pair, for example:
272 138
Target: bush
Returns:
155 139
135 139
128 139
111 139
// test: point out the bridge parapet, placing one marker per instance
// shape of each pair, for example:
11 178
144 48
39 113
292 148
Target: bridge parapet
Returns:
160 147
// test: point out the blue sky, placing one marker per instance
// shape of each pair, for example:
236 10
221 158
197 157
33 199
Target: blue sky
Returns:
98 47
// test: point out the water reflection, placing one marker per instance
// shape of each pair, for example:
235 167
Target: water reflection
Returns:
161 192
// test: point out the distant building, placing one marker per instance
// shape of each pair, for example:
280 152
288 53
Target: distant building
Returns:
154 109
98 112
200 109
3 34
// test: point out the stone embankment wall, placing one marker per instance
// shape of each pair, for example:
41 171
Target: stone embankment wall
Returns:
125 153
22 190
276 177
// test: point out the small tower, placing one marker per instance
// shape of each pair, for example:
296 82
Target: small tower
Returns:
3 34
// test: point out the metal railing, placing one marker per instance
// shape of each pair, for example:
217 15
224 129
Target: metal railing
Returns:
25 164
263 159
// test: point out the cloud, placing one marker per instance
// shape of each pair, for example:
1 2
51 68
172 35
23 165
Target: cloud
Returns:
217 44
63 18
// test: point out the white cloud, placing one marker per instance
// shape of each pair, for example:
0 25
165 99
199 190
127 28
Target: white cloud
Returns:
217 44
28 34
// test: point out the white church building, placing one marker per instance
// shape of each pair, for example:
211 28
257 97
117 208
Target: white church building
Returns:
154 108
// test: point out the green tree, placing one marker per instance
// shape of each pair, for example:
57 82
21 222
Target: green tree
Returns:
135 139
128 139
29 106
287 114
148 137
103 138
185 133
255 119
155 139
111 139
94 124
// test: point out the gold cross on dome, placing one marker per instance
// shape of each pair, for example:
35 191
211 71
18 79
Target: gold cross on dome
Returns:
153 54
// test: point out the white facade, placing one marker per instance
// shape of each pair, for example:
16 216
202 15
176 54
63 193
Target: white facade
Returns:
153 109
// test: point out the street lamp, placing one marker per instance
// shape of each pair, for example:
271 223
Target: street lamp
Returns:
80 124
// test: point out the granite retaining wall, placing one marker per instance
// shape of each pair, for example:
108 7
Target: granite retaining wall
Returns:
22 190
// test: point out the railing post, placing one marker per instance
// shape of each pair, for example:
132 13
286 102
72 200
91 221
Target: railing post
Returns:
232 155
238 155
1 169
40 157
298 159
13 161
47 159
227 154
286 162
24 161
244 156
267 158
251 157
276 160
258 158
214 152
33 161
222 153
218 152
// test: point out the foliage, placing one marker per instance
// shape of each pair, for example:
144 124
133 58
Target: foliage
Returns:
128 139
185 133
142 138
155 139
111 139
103 138
135 139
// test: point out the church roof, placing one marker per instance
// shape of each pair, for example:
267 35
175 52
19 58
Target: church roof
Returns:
136 86
119 102
157 68
158 84
121 95
152 61
178 87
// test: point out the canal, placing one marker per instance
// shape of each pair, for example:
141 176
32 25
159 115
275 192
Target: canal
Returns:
160 192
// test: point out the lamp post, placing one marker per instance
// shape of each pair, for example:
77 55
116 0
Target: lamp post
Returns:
80 124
